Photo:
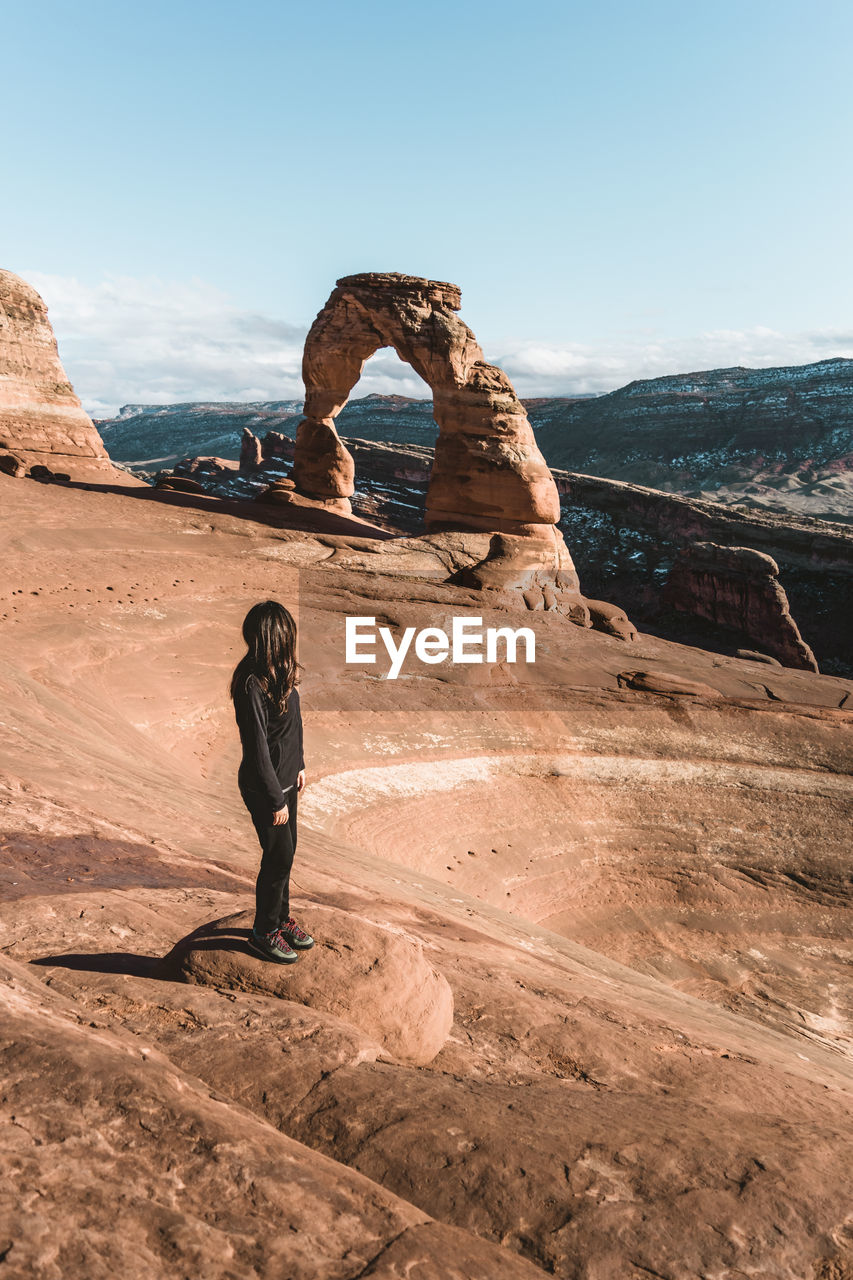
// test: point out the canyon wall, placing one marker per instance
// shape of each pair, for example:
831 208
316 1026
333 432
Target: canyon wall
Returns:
709 429
627 538
738 588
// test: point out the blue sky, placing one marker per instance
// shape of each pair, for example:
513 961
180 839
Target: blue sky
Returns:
621 189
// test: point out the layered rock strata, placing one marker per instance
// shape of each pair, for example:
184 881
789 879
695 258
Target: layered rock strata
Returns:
42 423
738 588
754 435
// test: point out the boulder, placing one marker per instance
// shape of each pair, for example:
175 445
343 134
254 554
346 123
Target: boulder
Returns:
12 465
376 979
180 484
753 655
611 619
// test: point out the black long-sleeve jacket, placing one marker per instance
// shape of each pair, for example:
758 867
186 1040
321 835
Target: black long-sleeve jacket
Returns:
272 746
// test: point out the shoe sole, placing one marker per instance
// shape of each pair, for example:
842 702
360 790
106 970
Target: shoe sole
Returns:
265 955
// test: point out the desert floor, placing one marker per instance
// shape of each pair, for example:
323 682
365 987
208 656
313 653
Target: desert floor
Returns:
634 905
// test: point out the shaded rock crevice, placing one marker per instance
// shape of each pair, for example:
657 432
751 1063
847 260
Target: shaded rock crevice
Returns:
738 588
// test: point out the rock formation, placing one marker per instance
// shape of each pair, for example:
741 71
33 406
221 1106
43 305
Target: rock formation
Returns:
632 872
42 422
276 445
488 472
627 538
738 588
368 977
206 468
250 451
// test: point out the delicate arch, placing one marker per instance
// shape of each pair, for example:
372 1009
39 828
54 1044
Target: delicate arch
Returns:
488 472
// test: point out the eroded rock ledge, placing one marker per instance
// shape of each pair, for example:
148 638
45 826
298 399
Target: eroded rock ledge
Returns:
738 588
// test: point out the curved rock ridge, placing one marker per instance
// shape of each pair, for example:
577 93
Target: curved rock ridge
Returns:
42 422
367 975
489 473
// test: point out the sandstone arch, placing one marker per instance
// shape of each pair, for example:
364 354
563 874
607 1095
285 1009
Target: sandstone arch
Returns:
488 473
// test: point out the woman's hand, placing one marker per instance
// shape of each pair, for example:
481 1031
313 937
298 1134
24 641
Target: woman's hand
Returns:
280 817
300 780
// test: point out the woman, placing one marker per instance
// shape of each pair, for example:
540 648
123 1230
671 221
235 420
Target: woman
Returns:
272 771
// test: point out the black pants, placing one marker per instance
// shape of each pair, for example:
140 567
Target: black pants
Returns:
278 845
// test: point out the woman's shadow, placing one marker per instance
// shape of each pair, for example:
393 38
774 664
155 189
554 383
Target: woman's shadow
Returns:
159 968
42 867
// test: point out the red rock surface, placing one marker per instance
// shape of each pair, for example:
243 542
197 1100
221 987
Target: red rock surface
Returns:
631 871
42 422
359 971
488 472
738 587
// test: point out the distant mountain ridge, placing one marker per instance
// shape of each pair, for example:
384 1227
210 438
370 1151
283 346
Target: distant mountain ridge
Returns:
165 433
780 438
161 434
779 413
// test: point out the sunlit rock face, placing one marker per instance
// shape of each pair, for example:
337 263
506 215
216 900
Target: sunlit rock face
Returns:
628 863
368 977
489 473
42 422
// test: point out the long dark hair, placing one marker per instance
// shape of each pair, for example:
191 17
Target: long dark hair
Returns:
270 634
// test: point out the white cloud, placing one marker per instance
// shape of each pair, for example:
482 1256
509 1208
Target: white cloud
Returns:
539 369
149 341
131 341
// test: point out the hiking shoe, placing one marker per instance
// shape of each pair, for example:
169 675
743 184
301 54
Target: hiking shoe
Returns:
294 936
272 946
